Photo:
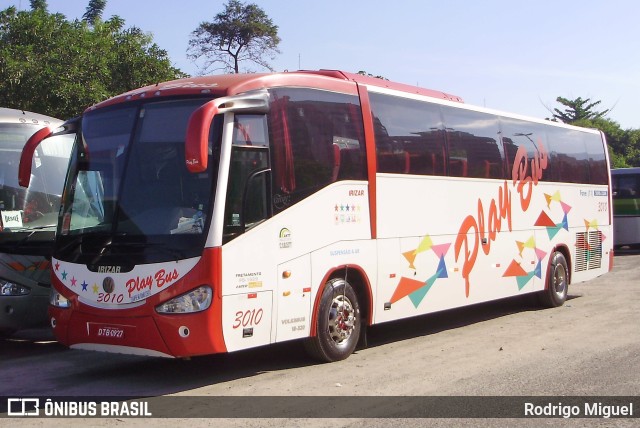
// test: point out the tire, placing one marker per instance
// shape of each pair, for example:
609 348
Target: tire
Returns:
5 334
555 293
338 323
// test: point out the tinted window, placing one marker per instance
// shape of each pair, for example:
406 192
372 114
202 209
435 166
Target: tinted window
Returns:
316 138
244 204
531 136
626 186
409 136
598 173
568 156
473 144
36 206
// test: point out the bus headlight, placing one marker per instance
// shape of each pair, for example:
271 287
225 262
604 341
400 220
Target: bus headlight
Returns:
12 289
194 301
58 300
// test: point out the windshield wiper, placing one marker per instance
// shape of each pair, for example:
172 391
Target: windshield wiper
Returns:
32 231
35 228
177 254
72 245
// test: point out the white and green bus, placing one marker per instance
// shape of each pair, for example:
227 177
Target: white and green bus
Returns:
626 206
28 217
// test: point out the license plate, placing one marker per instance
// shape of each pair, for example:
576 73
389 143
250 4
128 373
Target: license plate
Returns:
110 332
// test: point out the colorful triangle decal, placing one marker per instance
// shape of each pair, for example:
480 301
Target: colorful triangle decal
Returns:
411 257
514 269
544 220
405 287
523 280
442 269
441 249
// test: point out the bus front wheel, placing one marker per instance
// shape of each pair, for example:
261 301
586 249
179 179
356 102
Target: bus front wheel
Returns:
338 323
555 294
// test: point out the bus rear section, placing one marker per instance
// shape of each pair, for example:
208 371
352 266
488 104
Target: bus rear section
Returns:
28 217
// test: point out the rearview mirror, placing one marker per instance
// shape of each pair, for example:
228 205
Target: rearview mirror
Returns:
24 169
196 149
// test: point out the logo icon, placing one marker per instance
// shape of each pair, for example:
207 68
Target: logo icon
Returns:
108 285
285 238
23 407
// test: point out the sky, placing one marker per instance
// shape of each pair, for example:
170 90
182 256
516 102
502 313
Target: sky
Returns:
506 55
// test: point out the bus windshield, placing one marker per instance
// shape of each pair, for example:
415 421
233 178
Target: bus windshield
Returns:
129 185
36 207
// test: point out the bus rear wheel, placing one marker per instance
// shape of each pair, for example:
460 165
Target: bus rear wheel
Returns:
338 323
555 294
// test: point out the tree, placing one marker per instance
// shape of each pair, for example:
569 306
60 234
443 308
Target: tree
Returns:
364 73
58 67
577 109
38 5
242 32
94 11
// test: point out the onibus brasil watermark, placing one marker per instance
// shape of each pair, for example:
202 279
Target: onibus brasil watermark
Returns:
48 407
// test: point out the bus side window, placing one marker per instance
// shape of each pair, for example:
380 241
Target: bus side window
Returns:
531 137
568 156
598 173
316 138
625 186
473 141
245 203
409 136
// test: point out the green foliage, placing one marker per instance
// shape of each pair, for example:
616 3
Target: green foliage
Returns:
38 5
58 67
242 32
94 11
364 73
577 109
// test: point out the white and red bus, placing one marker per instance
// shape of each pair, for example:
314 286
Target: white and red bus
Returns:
220 213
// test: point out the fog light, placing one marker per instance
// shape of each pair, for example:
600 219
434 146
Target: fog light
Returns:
194 301
12 289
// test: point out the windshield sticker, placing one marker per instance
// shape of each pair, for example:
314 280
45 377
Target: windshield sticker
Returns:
193 224
249 280
281 201
12 219
285 238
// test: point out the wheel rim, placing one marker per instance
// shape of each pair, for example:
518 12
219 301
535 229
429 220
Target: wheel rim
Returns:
560 280
342 319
